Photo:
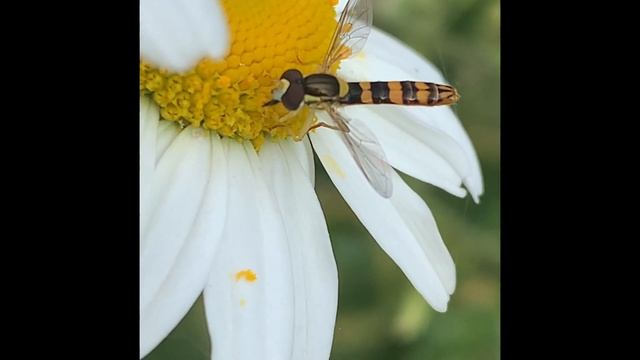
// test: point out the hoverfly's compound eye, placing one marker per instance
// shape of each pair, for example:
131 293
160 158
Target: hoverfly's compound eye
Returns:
294 92
292 75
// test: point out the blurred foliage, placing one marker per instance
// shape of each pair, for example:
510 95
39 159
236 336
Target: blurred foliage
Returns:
380 315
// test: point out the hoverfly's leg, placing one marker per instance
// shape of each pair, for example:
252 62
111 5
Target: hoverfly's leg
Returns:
308 124
337 126
277 126
324 124
282 121
288 116
334 114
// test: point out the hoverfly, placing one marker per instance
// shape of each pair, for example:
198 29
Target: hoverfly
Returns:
324 92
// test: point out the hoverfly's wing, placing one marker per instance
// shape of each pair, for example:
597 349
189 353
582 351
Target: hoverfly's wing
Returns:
351 33
367 153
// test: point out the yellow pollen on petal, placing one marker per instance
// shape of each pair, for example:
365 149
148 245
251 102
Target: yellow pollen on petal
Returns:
332 164
227 96
247 275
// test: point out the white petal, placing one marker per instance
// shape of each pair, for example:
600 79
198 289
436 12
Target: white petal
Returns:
444 121
149 117
177 190
315 276
422 152
385 58
402 225
250 318
304 155
167 132
392 51
177 34
189 260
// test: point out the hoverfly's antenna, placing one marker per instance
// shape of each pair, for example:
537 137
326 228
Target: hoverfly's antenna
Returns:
271 102
278 92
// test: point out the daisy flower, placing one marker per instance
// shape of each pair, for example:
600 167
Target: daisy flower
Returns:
227 201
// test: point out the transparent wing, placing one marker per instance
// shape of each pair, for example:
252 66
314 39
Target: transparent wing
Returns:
367 153
351 33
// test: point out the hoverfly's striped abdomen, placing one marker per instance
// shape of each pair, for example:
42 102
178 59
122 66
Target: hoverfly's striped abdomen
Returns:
400 93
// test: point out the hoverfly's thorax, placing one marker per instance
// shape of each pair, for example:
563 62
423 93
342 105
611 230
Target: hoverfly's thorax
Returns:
322 85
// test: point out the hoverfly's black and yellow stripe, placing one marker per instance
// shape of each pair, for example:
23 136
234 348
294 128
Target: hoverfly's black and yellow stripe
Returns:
400 93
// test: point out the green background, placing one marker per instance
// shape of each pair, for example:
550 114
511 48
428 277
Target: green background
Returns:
380 315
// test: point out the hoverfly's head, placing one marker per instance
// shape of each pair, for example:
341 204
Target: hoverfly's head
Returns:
290 90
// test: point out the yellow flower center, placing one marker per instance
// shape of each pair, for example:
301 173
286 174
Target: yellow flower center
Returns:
267 38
